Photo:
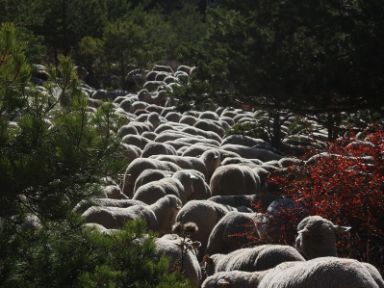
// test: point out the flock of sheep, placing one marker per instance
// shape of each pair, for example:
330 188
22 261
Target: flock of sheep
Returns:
196 188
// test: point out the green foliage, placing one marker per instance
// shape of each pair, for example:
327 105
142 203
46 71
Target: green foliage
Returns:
136 40
68 255
51 155
289 54
192 94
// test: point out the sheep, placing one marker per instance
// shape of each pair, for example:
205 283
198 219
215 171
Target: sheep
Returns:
188 119
131 152
209 125
154 148
252 152
166 210
150 175
162 68
154 108
252 163
212 160
233 279
317 237
257 258
243 140
116 217
186 69
230 232
139 165
152 86
149 135
234 180
113 192
181 253
135 140
154 119
127 130
137 105
149 193
140 126
159 216
173 117
206 134
210 115
84 204
317 273
195 187
185 162
205 214
245 200
288 161
322 272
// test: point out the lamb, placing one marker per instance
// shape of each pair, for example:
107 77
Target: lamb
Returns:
234 180
181 253
159 216
137 166
153 191
317 237
258 258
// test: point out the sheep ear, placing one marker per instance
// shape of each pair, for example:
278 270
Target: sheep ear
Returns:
342 229
207 259
196 244
222 283
193 177
303 231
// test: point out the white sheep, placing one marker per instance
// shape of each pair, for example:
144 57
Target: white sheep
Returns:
137 166
159 216
151 192
317 237
257 258
234 180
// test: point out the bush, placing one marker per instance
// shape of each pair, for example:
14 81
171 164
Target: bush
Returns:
347 189
68 255
53 153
